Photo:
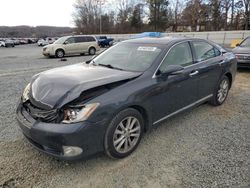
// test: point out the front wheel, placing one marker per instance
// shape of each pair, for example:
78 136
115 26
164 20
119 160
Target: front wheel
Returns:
59 53
124 133
221 92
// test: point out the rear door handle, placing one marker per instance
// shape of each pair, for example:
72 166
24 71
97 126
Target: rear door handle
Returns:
194 73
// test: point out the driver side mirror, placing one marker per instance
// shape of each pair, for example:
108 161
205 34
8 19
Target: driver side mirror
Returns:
171 70
237 44
66 42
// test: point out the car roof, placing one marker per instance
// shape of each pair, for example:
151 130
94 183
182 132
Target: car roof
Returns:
160 40
81 36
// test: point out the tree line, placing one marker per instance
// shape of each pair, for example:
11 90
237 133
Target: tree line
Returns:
130 16
36 32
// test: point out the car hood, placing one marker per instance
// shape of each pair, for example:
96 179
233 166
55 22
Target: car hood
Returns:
57 87
49 45
241 50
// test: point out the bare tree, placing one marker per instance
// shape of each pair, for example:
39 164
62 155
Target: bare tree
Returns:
177 10
247 13
226 5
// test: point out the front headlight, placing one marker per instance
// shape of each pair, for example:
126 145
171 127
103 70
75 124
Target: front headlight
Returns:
74 115
26 92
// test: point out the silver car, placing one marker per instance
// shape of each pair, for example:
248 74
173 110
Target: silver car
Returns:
242 53
79 44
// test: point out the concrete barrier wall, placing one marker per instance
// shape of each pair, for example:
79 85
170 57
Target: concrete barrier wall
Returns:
221 37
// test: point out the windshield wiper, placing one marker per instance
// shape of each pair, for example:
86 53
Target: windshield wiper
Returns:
110 66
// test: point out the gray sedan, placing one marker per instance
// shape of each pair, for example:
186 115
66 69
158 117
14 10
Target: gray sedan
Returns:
242 53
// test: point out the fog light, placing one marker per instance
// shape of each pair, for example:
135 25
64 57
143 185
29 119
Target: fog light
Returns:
70 151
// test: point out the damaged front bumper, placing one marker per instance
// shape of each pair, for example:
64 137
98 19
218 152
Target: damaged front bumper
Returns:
57 139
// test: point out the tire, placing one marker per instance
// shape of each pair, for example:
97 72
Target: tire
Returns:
92 51
60 53
221 92
120 142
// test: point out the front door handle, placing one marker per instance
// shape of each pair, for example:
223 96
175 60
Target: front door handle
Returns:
194 73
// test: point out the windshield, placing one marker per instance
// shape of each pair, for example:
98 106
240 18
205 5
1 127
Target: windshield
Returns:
129 56
245 43
60 40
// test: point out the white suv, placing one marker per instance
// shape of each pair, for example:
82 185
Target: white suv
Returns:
68 45
2 43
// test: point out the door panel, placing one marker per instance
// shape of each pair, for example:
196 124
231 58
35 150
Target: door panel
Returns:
208 60
70 46
173 92
210 72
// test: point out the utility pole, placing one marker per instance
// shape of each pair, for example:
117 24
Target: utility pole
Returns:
101 2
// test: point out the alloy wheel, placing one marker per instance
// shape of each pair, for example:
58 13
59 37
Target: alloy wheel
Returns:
60 53
127 134
223 91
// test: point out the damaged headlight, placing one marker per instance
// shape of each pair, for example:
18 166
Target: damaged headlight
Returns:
26 92
74 115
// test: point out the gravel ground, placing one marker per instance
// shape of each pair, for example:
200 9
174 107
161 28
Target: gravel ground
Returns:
204 147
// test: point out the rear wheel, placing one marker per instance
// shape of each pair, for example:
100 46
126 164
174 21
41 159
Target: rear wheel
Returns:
124 133
92 51
221 92
59 53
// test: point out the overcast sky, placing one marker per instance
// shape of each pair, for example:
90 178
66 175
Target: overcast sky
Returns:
36 12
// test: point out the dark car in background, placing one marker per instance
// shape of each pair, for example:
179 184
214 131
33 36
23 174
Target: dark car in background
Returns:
242 53
9 43
104 41
108 103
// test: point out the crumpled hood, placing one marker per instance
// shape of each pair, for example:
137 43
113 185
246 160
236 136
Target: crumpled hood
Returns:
57 87
241 50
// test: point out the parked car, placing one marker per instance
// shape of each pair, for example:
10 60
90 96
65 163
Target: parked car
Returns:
109 102
103 41
9 43
16 41
72 45
51 40
42 42
242 53
2 43
23 41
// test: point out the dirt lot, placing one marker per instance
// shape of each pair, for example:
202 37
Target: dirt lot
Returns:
204 147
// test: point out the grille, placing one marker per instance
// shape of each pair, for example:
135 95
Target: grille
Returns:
42 114
243 57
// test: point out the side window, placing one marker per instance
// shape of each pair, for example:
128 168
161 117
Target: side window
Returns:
90 39
217 52
80 39
70 40
179 55
205 51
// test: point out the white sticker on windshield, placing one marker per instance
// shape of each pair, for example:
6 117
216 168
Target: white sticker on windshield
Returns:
146 48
